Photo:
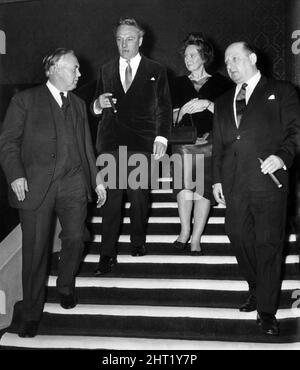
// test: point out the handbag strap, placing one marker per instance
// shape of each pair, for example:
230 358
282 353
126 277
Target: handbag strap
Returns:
176 121
175 124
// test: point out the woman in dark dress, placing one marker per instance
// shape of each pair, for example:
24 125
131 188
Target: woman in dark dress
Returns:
193 99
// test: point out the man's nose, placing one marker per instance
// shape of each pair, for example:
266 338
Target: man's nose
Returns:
124 43
229 66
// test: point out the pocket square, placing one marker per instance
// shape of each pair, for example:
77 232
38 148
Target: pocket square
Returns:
271 97
152 79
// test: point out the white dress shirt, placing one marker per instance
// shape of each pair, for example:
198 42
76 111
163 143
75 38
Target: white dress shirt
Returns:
134 64
56 93
251 85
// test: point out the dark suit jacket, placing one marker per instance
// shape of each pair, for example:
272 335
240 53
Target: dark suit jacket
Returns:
270 125
144 112
28 144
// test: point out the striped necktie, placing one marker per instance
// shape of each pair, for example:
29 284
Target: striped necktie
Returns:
240 103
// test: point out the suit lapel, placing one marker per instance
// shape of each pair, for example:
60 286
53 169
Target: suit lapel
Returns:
138 76
230 111
48 101
255 99
114 76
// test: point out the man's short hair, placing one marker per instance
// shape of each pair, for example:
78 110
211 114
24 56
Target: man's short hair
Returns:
248 47
126 21
54 57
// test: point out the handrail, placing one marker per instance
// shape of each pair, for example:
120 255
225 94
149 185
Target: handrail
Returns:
11 272
10 275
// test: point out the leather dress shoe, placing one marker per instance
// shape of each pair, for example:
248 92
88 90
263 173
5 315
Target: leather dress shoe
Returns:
268 323
250 305
105 264
68 301
28 329
139 251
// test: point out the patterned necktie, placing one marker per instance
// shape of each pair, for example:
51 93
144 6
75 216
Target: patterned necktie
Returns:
240 103
65 102
128 76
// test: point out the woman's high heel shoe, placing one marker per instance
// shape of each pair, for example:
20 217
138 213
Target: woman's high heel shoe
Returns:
180 245
196 253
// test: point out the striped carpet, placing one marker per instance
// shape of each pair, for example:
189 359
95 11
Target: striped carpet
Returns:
166 300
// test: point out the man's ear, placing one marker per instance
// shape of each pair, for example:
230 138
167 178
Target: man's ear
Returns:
141 41
253 58
52 69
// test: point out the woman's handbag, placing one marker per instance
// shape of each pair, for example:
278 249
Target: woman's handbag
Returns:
181 134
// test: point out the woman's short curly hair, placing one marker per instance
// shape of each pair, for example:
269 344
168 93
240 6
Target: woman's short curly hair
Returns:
204 47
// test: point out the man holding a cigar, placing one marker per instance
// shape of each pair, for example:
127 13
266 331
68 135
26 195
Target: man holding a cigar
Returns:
256 133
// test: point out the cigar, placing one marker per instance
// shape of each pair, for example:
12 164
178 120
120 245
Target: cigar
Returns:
112 103
273 177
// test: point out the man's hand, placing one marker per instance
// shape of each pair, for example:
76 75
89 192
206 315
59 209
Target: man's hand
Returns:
19 187
101 192
159 150
218 193
271 164
103 102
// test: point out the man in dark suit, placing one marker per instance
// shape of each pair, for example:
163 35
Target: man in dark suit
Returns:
140 123
256 132
48 158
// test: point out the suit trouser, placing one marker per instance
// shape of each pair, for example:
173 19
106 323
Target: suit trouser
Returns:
255 224
138 197
67 198
112 214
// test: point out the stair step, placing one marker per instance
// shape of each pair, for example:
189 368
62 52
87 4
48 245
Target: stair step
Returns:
135 344
162 328
160 230
165 297
167 312
176 270
170 238
209 249
157 209
161 220
198 284
166 259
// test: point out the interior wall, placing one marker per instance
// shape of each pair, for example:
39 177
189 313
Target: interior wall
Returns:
37 27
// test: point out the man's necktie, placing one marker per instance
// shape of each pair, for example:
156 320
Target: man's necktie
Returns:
128 76
240 103
65 102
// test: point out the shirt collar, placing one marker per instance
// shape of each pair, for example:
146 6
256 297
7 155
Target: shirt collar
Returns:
252 82
54 90
134 62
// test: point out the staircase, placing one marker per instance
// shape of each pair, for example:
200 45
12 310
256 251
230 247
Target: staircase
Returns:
166 300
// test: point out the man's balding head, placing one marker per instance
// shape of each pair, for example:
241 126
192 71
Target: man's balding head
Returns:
240 60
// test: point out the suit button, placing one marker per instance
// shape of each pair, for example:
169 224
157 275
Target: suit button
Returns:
53 155
238 137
